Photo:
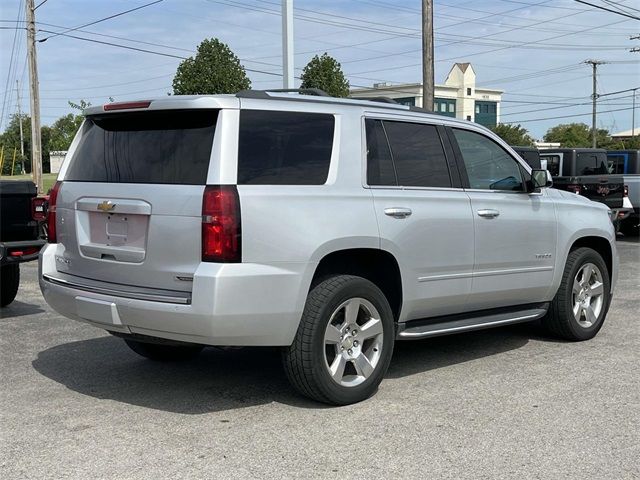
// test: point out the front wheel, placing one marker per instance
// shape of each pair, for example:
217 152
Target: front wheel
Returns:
580 306
344 342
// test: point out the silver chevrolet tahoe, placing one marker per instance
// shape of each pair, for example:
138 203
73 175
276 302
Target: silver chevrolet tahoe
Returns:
328 227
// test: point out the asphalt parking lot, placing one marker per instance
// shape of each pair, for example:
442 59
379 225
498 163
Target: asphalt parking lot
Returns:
503 403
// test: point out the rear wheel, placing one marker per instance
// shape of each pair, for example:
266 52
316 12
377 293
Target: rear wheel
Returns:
582 301
9 282
164 353
344 342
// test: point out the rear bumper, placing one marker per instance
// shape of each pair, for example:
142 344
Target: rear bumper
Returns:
13 252
230 304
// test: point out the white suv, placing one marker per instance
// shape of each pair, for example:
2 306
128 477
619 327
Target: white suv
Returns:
326 226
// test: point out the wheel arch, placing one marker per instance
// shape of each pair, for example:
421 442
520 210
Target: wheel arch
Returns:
600 245
376 265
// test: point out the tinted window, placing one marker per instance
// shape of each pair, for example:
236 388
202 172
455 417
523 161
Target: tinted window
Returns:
380 169
284 148
167 146
488 165
417 154
616 164
591 164
553 164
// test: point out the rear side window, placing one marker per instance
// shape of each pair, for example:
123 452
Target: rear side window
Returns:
553 164
380 170
169 146
284 148
592 164
405 154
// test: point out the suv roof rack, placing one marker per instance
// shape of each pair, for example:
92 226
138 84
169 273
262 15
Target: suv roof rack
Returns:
381 100
316 92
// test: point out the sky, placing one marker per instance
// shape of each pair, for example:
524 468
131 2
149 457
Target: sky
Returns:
533 50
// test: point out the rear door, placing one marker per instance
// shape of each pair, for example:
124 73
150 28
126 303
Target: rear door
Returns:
129 209
515 231
423 215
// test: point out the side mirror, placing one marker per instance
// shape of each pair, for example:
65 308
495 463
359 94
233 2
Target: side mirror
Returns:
541 178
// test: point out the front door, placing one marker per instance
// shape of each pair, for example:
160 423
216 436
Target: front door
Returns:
515 231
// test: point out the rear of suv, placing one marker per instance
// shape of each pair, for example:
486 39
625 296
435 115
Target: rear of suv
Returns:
327 227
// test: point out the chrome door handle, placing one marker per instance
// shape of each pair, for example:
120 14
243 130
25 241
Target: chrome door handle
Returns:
488 213
397 212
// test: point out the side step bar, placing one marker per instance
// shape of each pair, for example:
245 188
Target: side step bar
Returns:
467 322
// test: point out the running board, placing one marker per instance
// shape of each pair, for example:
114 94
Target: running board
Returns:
466 322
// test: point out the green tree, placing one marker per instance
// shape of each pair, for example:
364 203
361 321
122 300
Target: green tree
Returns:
63 130
214 69
10 141
573 135
324 72
513 134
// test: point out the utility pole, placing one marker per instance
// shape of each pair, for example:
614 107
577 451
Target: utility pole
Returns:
633 115
34 89
287 44
594 96
20 123
427 54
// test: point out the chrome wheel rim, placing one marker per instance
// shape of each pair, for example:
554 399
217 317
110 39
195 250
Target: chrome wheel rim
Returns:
587 295
353 342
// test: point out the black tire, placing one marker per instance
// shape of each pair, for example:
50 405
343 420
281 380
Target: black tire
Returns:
630 226
305 360
9 282
164 353
560 320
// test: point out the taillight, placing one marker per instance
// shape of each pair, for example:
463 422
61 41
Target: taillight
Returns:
574 188
221 240
626 190
51 213
38 208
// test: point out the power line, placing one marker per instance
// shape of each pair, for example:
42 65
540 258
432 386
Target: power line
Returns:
127 47
600 7
569 116
40 4
12 65
103 19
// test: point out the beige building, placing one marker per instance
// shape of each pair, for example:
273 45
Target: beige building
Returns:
55 160
458 97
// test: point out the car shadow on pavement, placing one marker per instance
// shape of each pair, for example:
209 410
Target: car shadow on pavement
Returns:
227 379
19 309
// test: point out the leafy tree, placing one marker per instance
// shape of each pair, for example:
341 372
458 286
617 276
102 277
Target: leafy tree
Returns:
63 130
324 72
513 134
10 140
573 135
214 69
82 104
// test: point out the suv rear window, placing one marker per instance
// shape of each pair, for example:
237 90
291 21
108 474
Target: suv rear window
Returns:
592 164
168 146
284 148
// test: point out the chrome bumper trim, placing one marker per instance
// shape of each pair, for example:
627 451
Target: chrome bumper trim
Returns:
176 297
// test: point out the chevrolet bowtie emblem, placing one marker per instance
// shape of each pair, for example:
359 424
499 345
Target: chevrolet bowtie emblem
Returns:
106 206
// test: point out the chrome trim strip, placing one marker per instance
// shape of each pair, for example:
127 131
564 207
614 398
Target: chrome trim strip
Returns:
475 326
486 273
183 300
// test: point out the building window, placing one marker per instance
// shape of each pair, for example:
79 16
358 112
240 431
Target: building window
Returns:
469 117
445 106
469 92
477 108
411 101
